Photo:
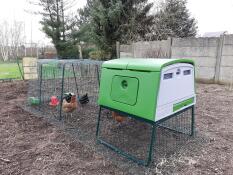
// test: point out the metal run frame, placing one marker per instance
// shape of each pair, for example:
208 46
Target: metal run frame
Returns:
154 126
62 84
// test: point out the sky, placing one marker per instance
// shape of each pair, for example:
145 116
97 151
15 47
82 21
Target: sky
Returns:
211 16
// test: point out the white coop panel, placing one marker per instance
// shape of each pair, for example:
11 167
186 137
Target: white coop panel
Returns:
176 85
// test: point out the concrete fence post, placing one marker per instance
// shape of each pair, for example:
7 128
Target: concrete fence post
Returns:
132 50
118 49
219 58
80 51
170 47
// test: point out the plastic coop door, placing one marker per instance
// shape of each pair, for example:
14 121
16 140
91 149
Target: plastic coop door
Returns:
176 87
124 89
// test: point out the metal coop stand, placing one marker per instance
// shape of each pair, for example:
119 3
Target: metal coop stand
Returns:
154 126
150 90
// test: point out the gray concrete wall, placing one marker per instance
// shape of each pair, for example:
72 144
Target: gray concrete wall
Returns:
226 62
202 50
126 51
213 56
152 49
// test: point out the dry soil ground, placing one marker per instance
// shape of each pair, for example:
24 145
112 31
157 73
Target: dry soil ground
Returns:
31 145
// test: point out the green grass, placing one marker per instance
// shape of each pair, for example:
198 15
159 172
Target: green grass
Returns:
51 71
9 70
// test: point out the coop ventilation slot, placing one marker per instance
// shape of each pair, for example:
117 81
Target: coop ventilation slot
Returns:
167 76
178 72
187 72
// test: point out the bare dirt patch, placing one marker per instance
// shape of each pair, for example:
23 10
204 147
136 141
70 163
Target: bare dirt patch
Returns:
31 145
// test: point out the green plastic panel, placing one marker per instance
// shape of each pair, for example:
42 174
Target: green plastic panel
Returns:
146 94
182 104
140 100
116 64
124 89
142 64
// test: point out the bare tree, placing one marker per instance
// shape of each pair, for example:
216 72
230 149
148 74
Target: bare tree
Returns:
11 38
16 37
172 19
4 40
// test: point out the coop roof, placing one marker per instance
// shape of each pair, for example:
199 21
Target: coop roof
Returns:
142 64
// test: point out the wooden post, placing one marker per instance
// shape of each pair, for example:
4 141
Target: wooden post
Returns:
118 49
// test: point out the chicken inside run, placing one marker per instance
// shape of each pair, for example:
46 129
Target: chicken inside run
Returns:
64 86
68 91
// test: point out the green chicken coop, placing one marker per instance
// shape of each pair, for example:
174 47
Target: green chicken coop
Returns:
150 90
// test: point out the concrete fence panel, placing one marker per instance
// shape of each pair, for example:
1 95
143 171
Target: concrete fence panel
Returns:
213 56
203 51
152 49
194 51
126 51
195 42
226 64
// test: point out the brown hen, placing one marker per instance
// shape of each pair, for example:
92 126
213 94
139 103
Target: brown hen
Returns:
70 106
117 117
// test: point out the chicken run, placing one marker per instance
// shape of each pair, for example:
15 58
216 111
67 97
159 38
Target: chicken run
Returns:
67 91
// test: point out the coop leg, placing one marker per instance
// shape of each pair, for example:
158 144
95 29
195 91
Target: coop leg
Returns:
98 122
193 122
152 143
128 155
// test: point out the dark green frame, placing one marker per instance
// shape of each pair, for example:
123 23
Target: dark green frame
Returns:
154 126
60 117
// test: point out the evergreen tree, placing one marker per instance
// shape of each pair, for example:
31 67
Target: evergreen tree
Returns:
117 20
83 22
173 20
136 20
57 25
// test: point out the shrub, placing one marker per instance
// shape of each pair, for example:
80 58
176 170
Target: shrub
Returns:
86 52
99 55
68 51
